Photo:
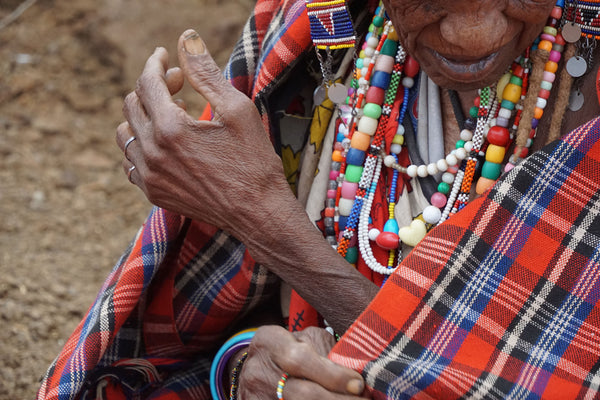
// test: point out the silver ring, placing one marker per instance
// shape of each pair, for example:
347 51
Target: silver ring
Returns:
129 172
127 143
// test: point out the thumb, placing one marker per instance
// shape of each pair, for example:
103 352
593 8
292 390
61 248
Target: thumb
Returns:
202 72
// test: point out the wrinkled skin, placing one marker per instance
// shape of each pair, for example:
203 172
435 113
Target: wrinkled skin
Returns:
226 173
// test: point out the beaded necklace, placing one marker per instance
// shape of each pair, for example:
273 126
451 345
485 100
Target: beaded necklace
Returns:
503 115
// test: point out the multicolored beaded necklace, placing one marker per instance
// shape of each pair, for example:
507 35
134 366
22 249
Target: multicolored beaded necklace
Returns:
366 155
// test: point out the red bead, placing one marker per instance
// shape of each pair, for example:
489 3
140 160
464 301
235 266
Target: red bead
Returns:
498 135
330 212
524 152
560 40
388 240
411 67
375 95
556 12
544 94
518 71
477 101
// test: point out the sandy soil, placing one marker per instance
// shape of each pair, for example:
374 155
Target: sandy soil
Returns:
67 210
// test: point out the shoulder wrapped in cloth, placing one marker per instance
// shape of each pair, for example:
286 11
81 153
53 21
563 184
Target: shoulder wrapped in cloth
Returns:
500 301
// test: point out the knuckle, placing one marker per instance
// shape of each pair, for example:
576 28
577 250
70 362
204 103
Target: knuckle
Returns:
299 354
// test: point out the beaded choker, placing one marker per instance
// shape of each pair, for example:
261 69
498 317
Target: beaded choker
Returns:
370 162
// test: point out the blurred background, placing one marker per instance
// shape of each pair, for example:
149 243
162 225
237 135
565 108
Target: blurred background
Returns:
67 210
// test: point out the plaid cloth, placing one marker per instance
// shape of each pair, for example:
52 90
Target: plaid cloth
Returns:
500 301
182 285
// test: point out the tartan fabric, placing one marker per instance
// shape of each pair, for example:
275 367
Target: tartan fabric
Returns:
500 301
179 289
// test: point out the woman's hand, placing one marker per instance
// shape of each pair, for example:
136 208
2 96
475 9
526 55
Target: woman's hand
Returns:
303 356
225 171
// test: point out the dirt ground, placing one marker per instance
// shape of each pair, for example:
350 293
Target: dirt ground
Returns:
67 210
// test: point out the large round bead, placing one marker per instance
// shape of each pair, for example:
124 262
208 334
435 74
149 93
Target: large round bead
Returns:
355 156
367 125
491 170
353 172
360 141
349 189
387 240
352 255
345 206
512 93
381 79
372 110
495 154
375 95
498 135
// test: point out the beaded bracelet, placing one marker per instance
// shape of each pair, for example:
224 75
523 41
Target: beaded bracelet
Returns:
232 345
235 374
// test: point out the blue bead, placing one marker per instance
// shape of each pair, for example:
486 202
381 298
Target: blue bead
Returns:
355 156
381 79
340 137
391 226
342 222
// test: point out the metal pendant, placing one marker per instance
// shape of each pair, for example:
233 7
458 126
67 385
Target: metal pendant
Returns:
571 32
319 95
337 93
576 66
576 100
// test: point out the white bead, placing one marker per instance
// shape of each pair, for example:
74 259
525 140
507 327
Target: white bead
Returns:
461 153
442 165
369 51
412 171
389 161
362 81
361 90
432 169
343 129
373 233
366 60
364 71
373 41
345 206
367 125
541 103
451 159
505 113
422 171
408 82
466 134
448 177
492 122
468 146
395 148
432 214
346 143
400 130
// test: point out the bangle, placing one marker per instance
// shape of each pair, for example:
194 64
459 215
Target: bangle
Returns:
231 346
235 376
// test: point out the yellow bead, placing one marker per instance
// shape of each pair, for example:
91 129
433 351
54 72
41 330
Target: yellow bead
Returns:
393 35
414 233
501 85
495 154
512 93
398 139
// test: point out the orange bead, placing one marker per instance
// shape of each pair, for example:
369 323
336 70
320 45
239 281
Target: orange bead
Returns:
537 113
360 141
551 66
545 45
484 184
337 156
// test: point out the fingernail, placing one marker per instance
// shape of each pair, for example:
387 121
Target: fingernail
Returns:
355 386
194 44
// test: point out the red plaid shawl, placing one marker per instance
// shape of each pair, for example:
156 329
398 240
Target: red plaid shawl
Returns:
500 301
175 294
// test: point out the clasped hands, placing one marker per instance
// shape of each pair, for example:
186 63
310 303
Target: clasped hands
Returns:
226 173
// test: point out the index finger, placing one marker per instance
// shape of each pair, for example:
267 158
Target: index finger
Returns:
151 87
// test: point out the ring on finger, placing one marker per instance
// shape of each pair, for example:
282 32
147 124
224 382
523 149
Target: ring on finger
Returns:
127 143
280 385
129 172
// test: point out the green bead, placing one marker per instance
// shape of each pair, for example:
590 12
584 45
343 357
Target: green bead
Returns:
353 173
491 170
546 85
516 80
460 144
474 111
371 28
372 110
378 21
352 255
359 63
354 84
443 187
389 48
509 105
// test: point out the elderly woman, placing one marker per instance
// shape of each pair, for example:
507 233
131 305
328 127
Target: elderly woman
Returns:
499 300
